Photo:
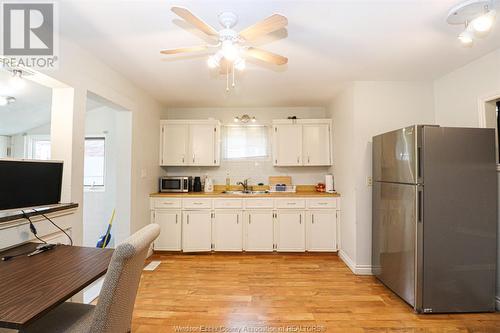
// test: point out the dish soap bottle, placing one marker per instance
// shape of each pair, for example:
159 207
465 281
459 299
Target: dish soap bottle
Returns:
228 182
209 185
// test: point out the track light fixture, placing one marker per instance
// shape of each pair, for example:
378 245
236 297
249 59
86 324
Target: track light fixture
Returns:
477 16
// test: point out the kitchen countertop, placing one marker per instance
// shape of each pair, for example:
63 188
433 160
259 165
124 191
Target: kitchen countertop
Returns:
264 195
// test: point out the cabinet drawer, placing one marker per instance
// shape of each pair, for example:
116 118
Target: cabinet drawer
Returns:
322 203
162 203
228 203
290 203
259 203
197 203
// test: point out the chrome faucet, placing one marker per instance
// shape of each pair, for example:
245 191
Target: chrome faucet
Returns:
244 184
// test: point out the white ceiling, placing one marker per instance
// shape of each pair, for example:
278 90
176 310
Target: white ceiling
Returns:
329 43
31 109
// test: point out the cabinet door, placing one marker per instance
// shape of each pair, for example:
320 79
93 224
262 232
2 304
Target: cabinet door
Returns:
291 231
316 144
202 144
287 145
174 144
228 231
196 231
259 231
170 234
322 231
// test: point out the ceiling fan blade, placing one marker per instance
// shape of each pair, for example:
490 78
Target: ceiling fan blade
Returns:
268 25
194 20
266 56
184 49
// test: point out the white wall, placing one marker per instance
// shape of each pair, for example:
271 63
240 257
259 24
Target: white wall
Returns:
457 96
83 72
18 141
258 171
376 107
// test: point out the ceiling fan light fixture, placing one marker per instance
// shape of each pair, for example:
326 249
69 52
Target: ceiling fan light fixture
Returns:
229 50
6 100
240 64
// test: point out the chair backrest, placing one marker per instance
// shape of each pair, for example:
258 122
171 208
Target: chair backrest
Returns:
113 312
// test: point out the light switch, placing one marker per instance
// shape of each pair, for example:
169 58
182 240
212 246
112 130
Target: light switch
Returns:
369 181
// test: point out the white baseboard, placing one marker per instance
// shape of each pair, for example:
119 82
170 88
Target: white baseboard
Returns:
497 301
356 269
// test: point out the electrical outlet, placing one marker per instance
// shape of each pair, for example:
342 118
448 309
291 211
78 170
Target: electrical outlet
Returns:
369 181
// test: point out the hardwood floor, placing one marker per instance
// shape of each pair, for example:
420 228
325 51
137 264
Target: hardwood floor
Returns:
270 292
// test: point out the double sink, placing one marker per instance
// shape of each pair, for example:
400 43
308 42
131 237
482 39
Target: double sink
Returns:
245 192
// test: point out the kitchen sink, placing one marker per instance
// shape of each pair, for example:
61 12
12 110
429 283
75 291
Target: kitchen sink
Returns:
245 192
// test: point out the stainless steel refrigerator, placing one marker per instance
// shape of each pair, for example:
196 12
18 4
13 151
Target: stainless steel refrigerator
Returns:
434 232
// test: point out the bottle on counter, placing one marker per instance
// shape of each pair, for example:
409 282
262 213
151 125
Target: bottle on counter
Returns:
209 184
228 182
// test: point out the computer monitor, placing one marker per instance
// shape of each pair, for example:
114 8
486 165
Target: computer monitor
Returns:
29 183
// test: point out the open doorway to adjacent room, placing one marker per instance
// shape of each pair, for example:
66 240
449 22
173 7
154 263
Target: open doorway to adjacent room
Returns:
490 118
107 174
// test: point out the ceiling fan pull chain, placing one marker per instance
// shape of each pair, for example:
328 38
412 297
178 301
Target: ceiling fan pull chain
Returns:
227 78
233 75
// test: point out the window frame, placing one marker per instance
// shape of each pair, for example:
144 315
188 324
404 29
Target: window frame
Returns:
96 188
267 130
30 142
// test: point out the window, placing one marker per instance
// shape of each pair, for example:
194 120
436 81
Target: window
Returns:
245 142
37 147
94 165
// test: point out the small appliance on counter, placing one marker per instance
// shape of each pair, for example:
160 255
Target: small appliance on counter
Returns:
197 184
209 185
174 184
329 184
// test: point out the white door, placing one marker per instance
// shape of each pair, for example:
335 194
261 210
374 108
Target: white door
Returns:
322 230
196 231
316 144
291 231
170 234
174 144
202 144
287 145
228 230
259 230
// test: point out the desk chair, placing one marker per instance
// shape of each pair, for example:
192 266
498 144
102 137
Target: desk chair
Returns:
113 312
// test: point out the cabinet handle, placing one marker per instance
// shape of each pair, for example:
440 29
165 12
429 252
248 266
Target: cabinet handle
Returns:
176 216
298 159
188 219
237 219
182 159
308 159
193 158
312 218
249 219
197 203
300 219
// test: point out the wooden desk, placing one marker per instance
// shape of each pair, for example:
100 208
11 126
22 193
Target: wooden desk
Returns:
32 286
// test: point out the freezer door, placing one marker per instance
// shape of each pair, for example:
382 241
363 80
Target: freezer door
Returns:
393 237
395 156
460 220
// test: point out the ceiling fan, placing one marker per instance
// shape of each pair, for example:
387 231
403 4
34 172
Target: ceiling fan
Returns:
232 47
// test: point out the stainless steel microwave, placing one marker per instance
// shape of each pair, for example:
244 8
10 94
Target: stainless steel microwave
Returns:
174 184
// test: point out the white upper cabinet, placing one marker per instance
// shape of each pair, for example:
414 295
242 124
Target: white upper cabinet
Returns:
190 142
174 144
287 144
302 142
316 144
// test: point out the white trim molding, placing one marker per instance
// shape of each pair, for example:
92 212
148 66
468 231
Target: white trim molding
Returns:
497 302
481 107
356 269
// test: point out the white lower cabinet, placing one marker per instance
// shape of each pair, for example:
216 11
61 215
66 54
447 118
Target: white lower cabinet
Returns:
290 231
247 224
228 230
196 231
170 226
259 233
322 230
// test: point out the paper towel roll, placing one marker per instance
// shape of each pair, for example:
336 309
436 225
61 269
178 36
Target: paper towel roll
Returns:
329 184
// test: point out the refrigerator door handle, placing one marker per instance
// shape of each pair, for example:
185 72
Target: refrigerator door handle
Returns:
419 163
419 206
